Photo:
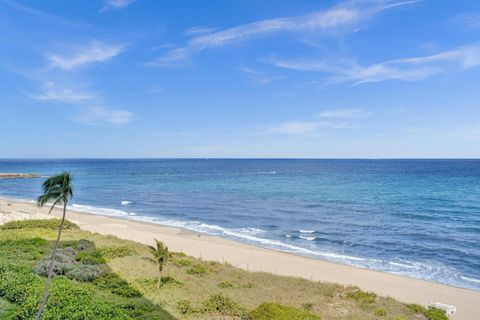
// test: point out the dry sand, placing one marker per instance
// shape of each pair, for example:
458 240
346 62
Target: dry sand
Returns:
258 259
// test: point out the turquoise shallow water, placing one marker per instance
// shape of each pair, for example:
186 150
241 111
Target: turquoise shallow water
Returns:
419 218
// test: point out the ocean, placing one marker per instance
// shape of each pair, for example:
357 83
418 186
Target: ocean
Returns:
419 218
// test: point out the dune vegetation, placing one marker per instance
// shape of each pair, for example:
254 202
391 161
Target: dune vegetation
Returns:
103 277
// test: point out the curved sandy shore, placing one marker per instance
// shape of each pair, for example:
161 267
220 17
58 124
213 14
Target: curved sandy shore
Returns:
258 259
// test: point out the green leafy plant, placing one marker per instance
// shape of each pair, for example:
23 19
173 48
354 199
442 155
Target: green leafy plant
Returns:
110 253
362 297
197 269
307 306
182 263
90 258
225 284
220 304
380 312
113 283
49 224
435 314
185 307
275 311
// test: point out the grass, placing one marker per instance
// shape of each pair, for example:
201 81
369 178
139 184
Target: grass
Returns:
191 288
7 309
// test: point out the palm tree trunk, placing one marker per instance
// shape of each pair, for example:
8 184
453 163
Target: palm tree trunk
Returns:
160 268
52 262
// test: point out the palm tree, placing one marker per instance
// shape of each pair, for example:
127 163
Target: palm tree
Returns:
57 189
160 256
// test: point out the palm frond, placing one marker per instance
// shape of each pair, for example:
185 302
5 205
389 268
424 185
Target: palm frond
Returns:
55 188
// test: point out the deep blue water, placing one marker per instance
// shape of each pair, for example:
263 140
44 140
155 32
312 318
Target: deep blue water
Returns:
414 217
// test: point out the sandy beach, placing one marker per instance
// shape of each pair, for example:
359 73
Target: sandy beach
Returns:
258 259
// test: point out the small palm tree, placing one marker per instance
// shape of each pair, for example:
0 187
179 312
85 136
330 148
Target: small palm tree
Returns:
160 256
56 189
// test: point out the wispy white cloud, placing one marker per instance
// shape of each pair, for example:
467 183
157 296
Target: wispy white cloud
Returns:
469 20
52 92
405 69
467 133
198 30
44 15
81 55
347 113
303 127
99 115
338 18
258 77
116 4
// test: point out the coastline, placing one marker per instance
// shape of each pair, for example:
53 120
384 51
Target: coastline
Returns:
253 258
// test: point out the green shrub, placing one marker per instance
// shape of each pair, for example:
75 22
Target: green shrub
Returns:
197 269
23 249
225 284
183 263
380 312
82 245
65 264
7 310
90 258
83 272
66 301
435 314
274 311
307 306
185 307
165 280
113 283
361 296
220 304
50 224
110 253
178 254
416 308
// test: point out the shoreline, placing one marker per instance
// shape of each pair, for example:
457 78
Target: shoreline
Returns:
253 258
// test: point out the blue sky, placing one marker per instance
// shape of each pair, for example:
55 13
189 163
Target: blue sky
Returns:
290 78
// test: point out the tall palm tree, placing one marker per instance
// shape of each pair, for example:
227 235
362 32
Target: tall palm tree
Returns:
160 256
56 189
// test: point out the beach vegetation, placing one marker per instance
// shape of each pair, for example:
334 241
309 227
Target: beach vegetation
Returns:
159 256
307 306
116 285
182 263
185 307
50 224
197 269
362 297
416 308
112 252
169 280
126 285
380 312
275 311
220 304
435 314
225 284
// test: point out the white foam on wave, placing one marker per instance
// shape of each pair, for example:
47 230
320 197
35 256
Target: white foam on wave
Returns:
125 202
398 264
245 234
101 211
307 238
422 270
470 279
306 231
267 172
